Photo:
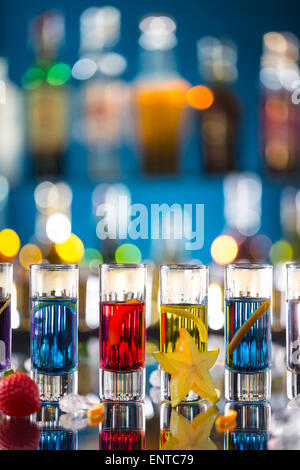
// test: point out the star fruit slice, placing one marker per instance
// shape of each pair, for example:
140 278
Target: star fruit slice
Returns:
189 369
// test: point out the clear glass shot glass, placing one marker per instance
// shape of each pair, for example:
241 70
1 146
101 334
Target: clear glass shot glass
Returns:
6 281
54 330
248 364
293 330
183 294
122 331
123 427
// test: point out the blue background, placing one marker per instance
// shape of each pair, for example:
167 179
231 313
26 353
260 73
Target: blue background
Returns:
243 21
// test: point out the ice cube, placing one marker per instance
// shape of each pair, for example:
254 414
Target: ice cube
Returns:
73 403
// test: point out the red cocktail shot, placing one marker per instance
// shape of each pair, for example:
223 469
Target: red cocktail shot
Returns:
122 336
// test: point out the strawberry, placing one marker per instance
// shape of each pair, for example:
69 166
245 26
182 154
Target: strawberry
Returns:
18 434
19 395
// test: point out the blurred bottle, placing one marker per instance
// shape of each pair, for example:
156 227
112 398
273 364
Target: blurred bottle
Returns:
98 120
279 70
11 127
47 95
220 121
159 97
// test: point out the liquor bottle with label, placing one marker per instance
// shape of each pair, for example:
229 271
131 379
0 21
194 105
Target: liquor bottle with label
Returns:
220 121
279 72
103 94
159 97
47 95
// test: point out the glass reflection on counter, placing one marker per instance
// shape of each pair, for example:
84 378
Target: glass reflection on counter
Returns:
187 427
52 435
188 411
252 431
123 427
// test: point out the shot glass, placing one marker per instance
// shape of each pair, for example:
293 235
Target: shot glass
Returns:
248 294
123 427
54 332
293 330
183 295
253 427
122 331
6 280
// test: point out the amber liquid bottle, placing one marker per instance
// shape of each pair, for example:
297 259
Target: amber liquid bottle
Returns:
47 97
160 100
220 122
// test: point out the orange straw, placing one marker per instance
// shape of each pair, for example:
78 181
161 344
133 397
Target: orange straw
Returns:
247 325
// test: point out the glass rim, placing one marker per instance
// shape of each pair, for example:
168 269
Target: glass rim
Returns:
53 267
183 266
121 265
5 265
292 265
249 266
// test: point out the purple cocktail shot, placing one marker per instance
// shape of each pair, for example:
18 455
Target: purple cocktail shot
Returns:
6 270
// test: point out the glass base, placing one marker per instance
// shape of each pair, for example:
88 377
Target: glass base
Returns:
53 387
247 387
292 384
165 393
122 386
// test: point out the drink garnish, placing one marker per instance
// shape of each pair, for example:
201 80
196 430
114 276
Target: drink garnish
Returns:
191 435
226 422
184 312
19 395
188 368
7 300
96 415
117 320
79 412
247 325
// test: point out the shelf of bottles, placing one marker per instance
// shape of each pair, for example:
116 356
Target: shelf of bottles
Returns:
76 136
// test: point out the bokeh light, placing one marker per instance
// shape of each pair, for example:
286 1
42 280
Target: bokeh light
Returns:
72 250
33 78
224 249
9 243
259 247
59 74
280 252
215 302
30 254
92 258
200 97
128 253
58 228
84 69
